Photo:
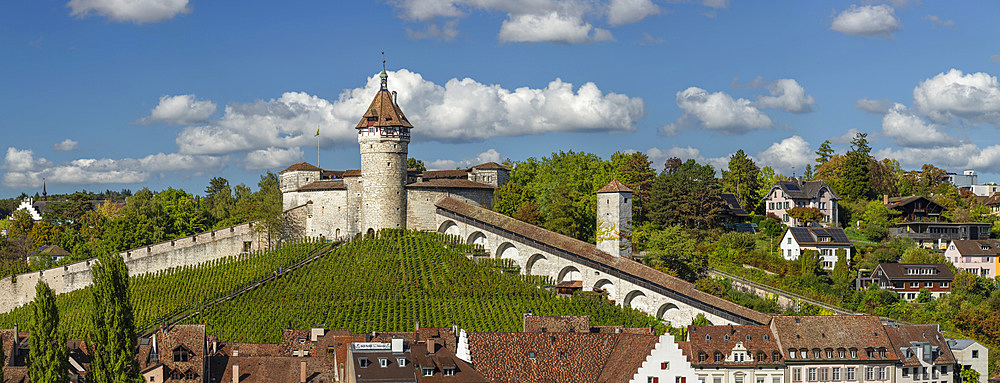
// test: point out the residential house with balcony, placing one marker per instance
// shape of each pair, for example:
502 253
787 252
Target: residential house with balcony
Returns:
825 241
924 355
907 279
835 348
921 219
914 208
734 354
787 195
980 257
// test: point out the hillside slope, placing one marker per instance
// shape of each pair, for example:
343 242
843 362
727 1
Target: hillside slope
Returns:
390 283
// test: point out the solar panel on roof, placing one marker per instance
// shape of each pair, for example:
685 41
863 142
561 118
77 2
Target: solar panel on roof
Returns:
791 186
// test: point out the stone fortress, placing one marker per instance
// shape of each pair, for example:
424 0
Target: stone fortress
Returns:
383 194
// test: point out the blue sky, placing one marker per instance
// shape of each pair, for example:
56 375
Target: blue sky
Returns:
108 94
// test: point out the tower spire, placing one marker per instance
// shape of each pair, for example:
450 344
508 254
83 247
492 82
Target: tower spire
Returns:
384 76
45 195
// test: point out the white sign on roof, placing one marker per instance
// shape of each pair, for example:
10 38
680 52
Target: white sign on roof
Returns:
372 346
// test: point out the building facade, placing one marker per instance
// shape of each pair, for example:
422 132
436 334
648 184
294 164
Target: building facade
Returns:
980 257
908 279
787 195
826 242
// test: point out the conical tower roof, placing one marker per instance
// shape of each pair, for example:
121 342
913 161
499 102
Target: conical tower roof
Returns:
615 187
383 111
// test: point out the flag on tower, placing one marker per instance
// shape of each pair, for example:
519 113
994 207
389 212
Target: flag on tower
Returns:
317 131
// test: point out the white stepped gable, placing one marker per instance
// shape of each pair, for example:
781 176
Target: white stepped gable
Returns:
26 206
677 365
463 352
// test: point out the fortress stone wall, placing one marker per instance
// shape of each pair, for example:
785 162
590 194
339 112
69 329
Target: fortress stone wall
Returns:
192 250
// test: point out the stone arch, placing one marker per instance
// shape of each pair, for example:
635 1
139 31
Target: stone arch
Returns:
534 264
636 299
508 251
607 286
667 311
478 238
449 227
371 232
570 273
337 233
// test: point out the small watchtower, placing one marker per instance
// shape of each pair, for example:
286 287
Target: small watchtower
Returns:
614 219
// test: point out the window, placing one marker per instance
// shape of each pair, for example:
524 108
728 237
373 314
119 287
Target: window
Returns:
824 374
448 371
906 372
791 354
719 357
944 285
812 374
716 379
401 361
929 284
725 337
531 355
869 373
836 374
652 379
785 218
841 353
881 373
383 362
776 356
739 378
944 369
786 205
189 374
850 373
796 374
802 354
816 354
915 284
766 338
775 380
975 353
363 362
881 352
702 357
760 379
789 240
829 353
664 365
427 371
854 354
181 354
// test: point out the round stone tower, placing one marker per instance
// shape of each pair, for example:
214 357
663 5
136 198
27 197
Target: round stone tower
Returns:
384 134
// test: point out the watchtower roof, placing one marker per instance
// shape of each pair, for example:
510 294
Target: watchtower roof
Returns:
383 111
615 187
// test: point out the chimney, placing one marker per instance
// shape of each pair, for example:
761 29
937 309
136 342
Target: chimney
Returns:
885 199
215 346
302 372
394 98
431 346
397 346
236 373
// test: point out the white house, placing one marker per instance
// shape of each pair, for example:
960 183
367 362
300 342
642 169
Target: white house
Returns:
825 241
666 363
970 354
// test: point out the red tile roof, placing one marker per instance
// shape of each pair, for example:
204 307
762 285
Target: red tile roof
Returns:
301 166
901 337
758 340
449 184
383 112
810 333
490 166
337 184
615 187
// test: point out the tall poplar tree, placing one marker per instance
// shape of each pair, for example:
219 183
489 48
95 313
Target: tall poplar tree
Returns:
112 337
47 345
743 180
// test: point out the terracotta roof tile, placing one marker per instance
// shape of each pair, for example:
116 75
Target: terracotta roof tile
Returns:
901 337
556 323
758 340
301 166
810 333
324 185
589 254
615 187
449 183
491 166
383 112
435 174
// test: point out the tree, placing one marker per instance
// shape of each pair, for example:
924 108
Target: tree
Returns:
924 296
969 375
413 163
634 170
686 195
824 153
855 174
47 345
674 249
112 335
563 216
806 215
508 198
218 198
743 179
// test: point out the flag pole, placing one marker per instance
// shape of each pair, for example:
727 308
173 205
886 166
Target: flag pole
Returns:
317 149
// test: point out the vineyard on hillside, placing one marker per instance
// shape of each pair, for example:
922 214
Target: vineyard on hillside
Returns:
391 282
159 296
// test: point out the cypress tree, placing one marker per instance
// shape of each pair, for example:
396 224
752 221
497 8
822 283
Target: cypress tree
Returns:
47 355
112 336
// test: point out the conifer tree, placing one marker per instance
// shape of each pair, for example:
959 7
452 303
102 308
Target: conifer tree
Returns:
855 178
112 337
743 180
48 356
825 153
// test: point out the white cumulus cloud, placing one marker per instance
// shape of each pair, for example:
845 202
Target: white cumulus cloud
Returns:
273 158
630 11
717 111
136 11
490 155
974 96
24 171
867 21
937 21
182 109
459 111
65 145
909 130
787 95
787 156
551 27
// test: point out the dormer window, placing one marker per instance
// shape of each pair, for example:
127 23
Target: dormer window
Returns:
182 354
383 362
427 371
719 357
725 337
401 362
448 371
702 357
364 362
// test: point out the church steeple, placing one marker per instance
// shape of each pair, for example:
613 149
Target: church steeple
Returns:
45 195
384 76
